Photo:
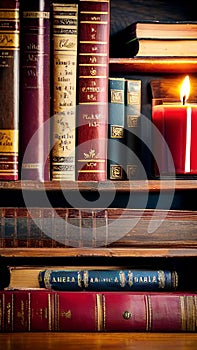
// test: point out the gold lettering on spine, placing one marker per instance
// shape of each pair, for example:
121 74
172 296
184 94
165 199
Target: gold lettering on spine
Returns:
50 313
29 312
8 140
36 14
191 319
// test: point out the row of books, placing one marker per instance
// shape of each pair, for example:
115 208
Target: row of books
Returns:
54 85
95 300
54 89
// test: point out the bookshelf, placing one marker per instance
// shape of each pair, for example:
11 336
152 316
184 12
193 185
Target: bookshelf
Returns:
183 256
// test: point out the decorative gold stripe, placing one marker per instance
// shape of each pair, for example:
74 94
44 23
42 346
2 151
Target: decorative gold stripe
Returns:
148 307
36 14
90 65
29 312
93 54
49 313
92 77
183 313
93 42
190 314
99 312
92 160
93 22
7 14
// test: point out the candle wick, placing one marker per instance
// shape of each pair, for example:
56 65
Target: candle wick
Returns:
184 99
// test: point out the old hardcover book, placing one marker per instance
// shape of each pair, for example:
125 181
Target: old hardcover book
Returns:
90 278
64 38
91 228
132 128
43 310
161 30
116 129
9 89
35 90
92 92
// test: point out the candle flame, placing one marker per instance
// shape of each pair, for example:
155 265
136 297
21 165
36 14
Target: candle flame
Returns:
185 89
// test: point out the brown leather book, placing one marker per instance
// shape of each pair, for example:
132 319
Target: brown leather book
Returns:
9 89
35 90
92 94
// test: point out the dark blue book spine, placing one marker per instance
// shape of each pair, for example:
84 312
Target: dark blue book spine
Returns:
116 134
109 280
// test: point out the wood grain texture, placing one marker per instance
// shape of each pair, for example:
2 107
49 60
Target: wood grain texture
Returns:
103 341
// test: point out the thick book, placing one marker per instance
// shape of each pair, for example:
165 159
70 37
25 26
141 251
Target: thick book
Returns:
90 278
35 90
9 89
132 128
96 228
161 30
116 129
46 311
92 90
156 48
64 54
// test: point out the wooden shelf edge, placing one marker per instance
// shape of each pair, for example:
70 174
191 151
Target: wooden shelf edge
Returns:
97 252
153 64
94 186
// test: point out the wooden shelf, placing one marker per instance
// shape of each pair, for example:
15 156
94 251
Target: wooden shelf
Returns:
119 186
98 341
153 65
99 252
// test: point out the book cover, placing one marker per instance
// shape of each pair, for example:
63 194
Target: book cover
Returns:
132 128
92 91
9 89
35 90
116 130
64 39
35 310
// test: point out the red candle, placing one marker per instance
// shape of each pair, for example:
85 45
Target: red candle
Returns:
177 123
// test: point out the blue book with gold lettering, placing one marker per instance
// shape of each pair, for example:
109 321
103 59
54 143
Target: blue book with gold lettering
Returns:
112 280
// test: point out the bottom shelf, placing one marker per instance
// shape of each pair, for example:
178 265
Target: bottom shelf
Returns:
98 341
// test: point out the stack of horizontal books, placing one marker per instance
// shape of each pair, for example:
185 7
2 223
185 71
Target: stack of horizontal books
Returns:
146 38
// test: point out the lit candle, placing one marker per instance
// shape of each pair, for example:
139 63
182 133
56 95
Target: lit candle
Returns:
177 123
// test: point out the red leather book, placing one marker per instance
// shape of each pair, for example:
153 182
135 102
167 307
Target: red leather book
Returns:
9 89
35 89
92 94
43 310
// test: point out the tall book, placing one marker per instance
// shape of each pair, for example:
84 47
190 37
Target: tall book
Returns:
9 89
92 92
35 90
116 129
64 38
46 311
132 127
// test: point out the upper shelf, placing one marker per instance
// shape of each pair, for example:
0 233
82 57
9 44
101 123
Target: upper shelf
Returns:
154 65
94 186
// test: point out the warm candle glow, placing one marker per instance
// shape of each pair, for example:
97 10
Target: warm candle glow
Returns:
185 90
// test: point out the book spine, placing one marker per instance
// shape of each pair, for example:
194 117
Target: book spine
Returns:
35 90
112 280
35 310
132 118
65 27
92 91
111 227
9 89
116 131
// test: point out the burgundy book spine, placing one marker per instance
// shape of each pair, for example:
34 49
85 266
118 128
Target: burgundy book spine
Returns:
9 89
43 310
92 93
35 90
